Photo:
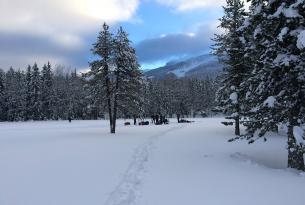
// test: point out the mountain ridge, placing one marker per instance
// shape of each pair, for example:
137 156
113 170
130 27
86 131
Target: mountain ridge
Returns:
195 67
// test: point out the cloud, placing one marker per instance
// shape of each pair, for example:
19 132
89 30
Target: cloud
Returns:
177 45
62 31
18 50
69 15
55 28
186 5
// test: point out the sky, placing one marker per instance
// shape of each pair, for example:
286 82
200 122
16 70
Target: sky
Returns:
63 32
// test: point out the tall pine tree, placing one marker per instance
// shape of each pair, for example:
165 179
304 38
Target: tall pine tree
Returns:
46 92
230 50
278 94
101 70
128 77
36 93
116 72
3 106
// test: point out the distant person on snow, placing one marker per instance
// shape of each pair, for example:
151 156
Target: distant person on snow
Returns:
134 120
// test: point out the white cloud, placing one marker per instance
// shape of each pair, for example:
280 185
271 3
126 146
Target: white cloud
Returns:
186 5
60 24
62 21
59 13
114 10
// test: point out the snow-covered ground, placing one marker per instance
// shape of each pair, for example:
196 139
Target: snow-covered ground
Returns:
57 163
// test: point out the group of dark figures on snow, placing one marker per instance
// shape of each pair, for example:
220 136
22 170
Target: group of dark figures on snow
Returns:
157 120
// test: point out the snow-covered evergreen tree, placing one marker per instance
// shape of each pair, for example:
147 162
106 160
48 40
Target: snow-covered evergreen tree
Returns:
11 95
20 95
36 93
116 74
128 77
3 106
181 96
59 93
101 70
77 98
202 95
253 44
28 99
46 92
161 97
277 82
229 48
15 95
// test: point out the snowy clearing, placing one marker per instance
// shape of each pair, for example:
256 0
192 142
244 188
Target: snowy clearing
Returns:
57 163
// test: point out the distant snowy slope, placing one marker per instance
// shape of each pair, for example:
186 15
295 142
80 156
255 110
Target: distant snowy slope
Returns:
199 66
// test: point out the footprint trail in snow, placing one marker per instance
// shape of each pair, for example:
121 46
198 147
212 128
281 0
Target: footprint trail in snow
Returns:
128 190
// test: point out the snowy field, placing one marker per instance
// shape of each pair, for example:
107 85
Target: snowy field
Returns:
57 163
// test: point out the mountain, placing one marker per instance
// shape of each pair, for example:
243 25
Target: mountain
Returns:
199 67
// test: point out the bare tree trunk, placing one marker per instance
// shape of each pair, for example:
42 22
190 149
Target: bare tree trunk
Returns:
110 111
113 126
237 128
114 115
295 151
108 94
115 105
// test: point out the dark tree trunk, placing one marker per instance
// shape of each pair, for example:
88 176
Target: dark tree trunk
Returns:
108 94
295 152
112 131
237 129
114 116
115 105
178 117
110 114
134 120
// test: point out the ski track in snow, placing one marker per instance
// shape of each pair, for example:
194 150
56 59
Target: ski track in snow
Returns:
128 190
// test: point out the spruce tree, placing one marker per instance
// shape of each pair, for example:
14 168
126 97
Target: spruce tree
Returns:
77 97
28 100
253 47
101 70
116 73
276 85
36 93
20 95
59 108
11 94
128 77
46 92
230 51
15 95
3 106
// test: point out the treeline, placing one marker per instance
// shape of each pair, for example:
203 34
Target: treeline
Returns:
186 96
43 94
57 94
263 84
